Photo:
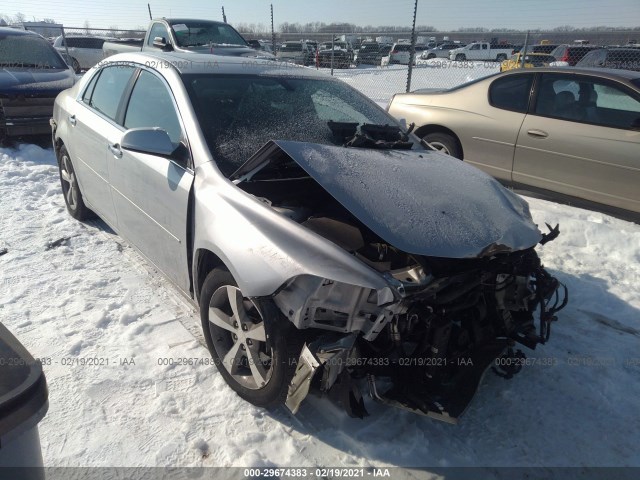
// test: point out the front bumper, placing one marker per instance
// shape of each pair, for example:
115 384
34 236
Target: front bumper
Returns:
26 116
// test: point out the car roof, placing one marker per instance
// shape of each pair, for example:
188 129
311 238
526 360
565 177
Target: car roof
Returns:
197 63
611 73
175 21
16 31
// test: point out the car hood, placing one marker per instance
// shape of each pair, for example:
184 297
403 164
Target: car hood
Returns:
421 202
33 81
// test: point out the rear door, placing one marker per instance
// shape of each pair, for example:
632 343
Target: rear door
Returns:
579 140
151 193
94 121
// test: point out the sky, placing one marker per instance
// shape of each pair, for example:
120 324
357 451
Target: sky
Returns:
443 15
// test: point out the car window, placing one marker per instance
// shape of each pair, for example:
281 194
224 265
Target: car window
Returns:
475 47
109 88
158 30
511 92
28 51
86 97
239 114
587 100
151 105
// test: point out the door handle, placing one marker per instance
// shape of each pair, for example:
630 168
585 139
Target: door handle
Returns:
115 150
538 133
72 120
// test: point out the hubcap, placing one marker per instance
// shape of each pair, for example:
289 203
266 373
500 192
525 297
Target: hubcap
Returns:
239 337
439 147
69 183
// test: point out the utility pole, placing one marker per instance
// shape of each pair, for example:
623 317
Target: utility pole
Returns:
273 33
224 17
412 54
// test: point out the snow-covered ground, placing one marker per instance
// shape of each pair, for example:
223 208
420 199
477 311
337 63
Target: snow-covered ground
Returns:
150 401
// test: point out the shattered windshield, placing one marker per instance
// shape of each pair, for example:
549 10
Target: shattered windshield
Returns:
239 114
195 34
28 51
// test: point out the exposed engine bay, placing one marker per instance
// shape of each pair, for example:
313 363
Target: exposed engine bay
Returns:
425 343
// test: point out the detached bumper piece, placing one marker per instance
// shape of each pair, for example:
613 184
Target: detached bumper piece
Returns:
21 115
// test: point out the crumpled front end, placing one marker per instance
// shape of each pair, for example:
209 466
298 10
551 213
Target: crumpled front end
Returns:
457 280
427 348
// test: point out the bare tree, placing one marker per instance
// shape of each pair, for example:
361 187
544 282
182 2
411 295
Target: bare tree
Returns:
19 17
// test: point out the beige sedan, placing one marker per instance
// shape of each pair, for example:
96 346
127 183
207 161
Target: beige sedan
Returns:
567 131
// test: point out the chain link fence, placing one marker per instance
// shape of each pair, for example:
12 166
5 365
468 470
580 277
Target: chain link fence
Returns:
378 62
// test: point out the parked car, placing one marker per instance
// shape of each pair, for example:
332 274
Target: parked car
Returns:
32 73
337 53
188 36
564 132
481 51
531 60
570 54
85 51
400 53
296 52
292 210
261 45
618 58
371 53
441 51
540 48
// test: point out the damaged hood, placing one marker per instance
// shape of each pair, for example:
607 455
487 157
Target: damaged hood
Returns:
421 202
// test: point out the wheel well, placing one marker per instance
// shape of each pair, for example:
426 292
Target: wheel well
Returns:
205 262
57 146
427 129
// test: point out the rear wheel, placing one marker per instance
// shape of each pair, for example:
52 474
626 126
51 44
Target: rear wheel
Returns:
70 188
75 65
443 142
256 366
430 56
501 57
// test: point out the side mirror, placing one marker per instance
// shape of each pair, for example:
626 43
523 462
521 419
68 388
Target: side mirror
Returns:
161 43
152 141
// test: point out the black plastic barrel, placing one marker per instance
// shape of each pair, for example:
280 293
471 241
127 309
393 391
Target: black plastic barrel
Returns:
23 403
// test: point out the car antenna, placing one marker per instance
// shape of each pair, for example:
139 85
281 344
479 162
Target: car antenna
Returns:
149 8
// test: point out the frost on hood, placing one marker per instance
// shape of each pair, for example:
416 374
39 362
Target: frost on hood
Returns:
421 202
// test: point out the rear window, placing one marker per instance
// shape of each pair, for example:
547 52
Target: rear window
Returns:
291 47
511 92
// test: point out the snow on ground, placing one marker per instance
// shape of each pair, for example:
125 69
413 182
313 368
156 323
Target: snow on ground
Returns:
92 299
380 83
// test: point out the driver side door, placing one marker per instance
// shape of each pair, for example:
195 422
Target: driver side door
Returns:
151 193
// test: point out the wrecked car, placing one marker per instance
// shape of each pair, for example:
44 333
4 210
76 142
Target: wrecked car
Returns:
326 248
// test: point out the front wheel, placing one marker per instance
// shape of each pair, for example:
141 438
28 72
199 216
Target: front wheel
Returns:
461 57
256 366
75 65
501 58
443 142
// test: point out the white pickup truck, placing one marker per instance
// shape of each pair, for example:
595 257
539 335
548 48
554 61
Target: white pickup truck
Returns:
481 51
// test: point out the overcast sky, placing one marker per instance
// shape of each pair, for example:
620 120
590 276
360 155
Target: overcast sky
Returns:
442 14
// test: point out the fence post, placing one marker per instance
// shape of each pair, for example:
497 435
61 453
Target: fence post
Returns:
273 33
333 38
412 54
524 50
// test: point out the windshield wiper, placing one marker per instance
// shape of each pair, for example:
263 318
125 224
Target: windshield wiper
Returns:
368 135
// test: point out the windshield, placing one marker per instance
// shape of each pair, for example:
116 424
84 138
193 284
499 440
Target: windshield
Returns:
239 114
291 47
194 34
28 51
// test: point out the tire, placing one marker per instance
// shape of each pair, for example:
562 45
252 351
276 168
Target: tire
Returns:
445 143
267 384
75 65
501 57
430 56
461 57
70 187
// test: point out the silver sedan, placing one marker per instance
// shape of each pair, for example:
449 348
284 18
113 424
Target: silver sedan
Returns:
322 244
